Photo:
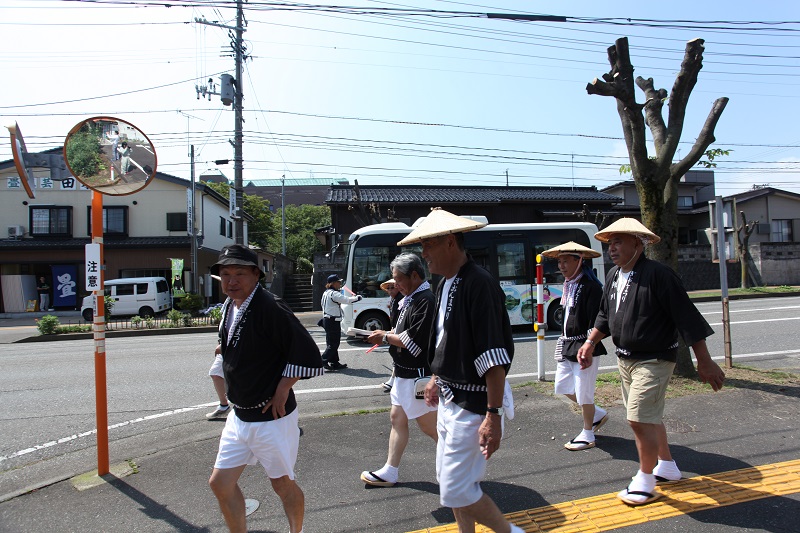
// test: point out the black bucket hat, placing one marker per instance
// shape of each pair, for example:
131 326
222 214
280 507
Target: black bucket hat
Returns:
236 254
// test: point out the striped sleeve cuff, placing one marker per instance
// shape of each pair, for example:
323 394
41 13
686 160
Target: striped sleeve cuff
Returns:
490 358
410 345
296 371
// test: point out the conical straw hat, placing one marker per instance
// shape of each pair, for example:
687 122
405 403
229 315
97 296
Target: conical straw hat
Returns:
440 222
571 248
631 226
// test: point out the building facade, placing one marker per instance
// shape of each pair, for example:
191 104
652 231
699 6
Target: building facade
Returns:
46 236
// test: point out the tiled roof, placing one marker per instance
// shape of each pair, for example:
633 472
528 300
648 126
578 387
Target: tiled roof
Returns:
339 194
299 182
109 242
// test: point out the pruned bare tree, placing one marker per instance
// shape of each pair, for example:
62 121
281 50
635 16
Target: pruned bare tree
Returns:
743 232
656 177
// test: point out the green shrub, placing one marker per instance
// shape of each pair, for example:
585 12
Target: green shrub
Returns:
47 324
74 328
186 319
108 304
304 266
216 314
175 318
191 303
136 322
149 322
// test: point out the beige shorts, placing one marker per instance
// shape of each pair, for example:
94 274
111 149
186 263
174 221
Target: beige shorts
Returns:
644 388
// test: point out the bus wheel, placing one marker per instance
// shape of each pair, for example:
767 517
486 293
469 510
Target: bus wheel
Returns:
146 312
555 316
372 321
88 315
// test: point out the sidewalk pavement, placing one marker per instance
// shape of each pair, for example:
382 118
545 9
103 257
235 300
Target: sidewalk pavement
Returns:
709 434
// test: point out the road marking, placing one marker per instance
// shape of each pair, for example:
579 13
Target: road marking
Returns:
754 310
757 321
605 512
76 436
182 410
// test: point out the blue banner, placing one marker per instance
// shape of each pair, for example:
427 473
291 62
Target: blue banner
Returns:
65 286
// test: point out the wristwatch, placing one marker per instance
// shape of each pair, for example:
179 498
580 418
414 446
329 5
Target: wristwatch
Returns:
385 340
495 410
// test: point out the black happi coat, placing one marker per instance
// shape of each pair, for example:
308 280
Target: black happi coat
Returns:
267 344
477 336
414 324
653 311
581 318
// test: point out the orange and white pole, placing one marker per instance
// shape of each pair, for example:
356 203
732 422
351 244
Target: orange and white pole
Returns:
539 327
99 329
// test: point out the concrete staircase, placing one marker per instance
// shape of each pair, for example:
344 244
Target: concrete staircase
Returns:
298 292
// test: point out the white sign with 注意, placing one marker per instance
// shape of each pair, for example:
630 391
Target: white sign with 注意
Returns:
93 267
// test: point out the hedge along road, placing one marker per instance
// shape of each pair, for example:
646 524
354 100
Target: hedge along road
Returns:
159 391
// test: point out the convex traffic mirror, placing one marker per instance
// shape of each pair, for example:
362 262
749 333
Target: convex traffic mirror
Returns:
110 156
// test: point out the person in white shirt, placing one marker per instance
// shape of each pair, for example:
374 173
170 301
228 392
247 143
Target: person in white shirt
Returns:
332 300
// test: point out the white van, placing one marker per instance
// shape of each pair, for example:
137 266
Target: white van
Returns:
133 296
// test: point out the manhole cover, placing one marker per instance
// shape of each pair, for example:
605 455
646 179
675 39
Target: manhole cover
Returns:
250 506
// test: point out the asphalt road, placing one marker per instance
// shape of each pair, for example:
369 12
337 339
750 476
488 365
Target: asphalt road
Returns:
158 389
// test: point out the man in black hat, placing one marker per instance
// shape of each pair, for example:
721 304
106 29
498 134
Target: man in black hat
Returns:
265 351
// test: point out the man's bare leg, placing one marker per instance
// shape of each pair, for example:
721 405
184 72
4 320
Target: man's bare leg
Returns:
485 512
398 437
293 499
224 484
219 387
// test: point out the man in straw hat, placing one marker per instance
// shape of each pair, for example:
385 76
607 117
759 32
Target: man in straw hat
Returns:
581 302
265 350
471 349
644 309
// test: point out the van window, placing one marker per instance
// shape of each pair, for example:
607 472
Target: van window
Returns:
162 286
124 289
141 288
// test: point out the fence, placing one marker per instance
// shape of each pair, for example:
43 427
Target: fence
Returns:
158 322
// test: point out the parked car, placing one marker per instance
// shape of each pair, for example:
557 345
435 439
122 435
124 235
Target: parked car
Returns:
133 296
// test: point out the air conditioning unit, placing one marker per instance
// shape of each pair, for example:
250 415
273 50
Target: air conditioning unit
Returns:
15 232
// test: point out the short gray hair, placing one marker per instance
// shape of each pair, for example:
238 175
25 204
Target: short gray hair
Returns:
406 263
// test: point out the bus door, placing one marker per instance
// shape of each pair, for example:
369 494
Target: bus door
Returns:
514 272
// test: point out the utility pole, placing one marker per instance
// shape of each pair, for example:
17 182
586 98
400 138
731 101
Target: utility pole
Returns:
238 96
283 217
237 134
193 236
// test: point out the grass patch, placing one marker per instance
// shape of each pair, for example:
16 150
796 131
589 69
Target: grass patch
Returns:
608 391
752 290
360 412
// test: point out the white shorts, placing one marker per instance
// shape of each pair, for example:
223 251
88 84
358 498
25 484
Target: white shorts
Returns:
273 444
460 465
402 394
571 379
216 367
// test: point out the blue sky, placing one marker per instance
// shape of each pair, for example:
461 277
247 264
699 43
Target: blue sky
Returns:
392 99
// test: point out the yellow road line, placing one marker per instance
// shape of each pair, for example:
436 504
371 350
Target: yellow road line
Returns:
606 512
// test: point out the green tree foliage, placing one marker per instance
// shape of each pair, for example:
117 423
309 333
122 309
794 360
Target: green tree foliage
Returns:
83 153
264 223
301 221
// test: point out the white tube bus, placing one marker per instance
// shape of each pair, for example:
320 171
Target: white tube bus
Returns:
508 251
